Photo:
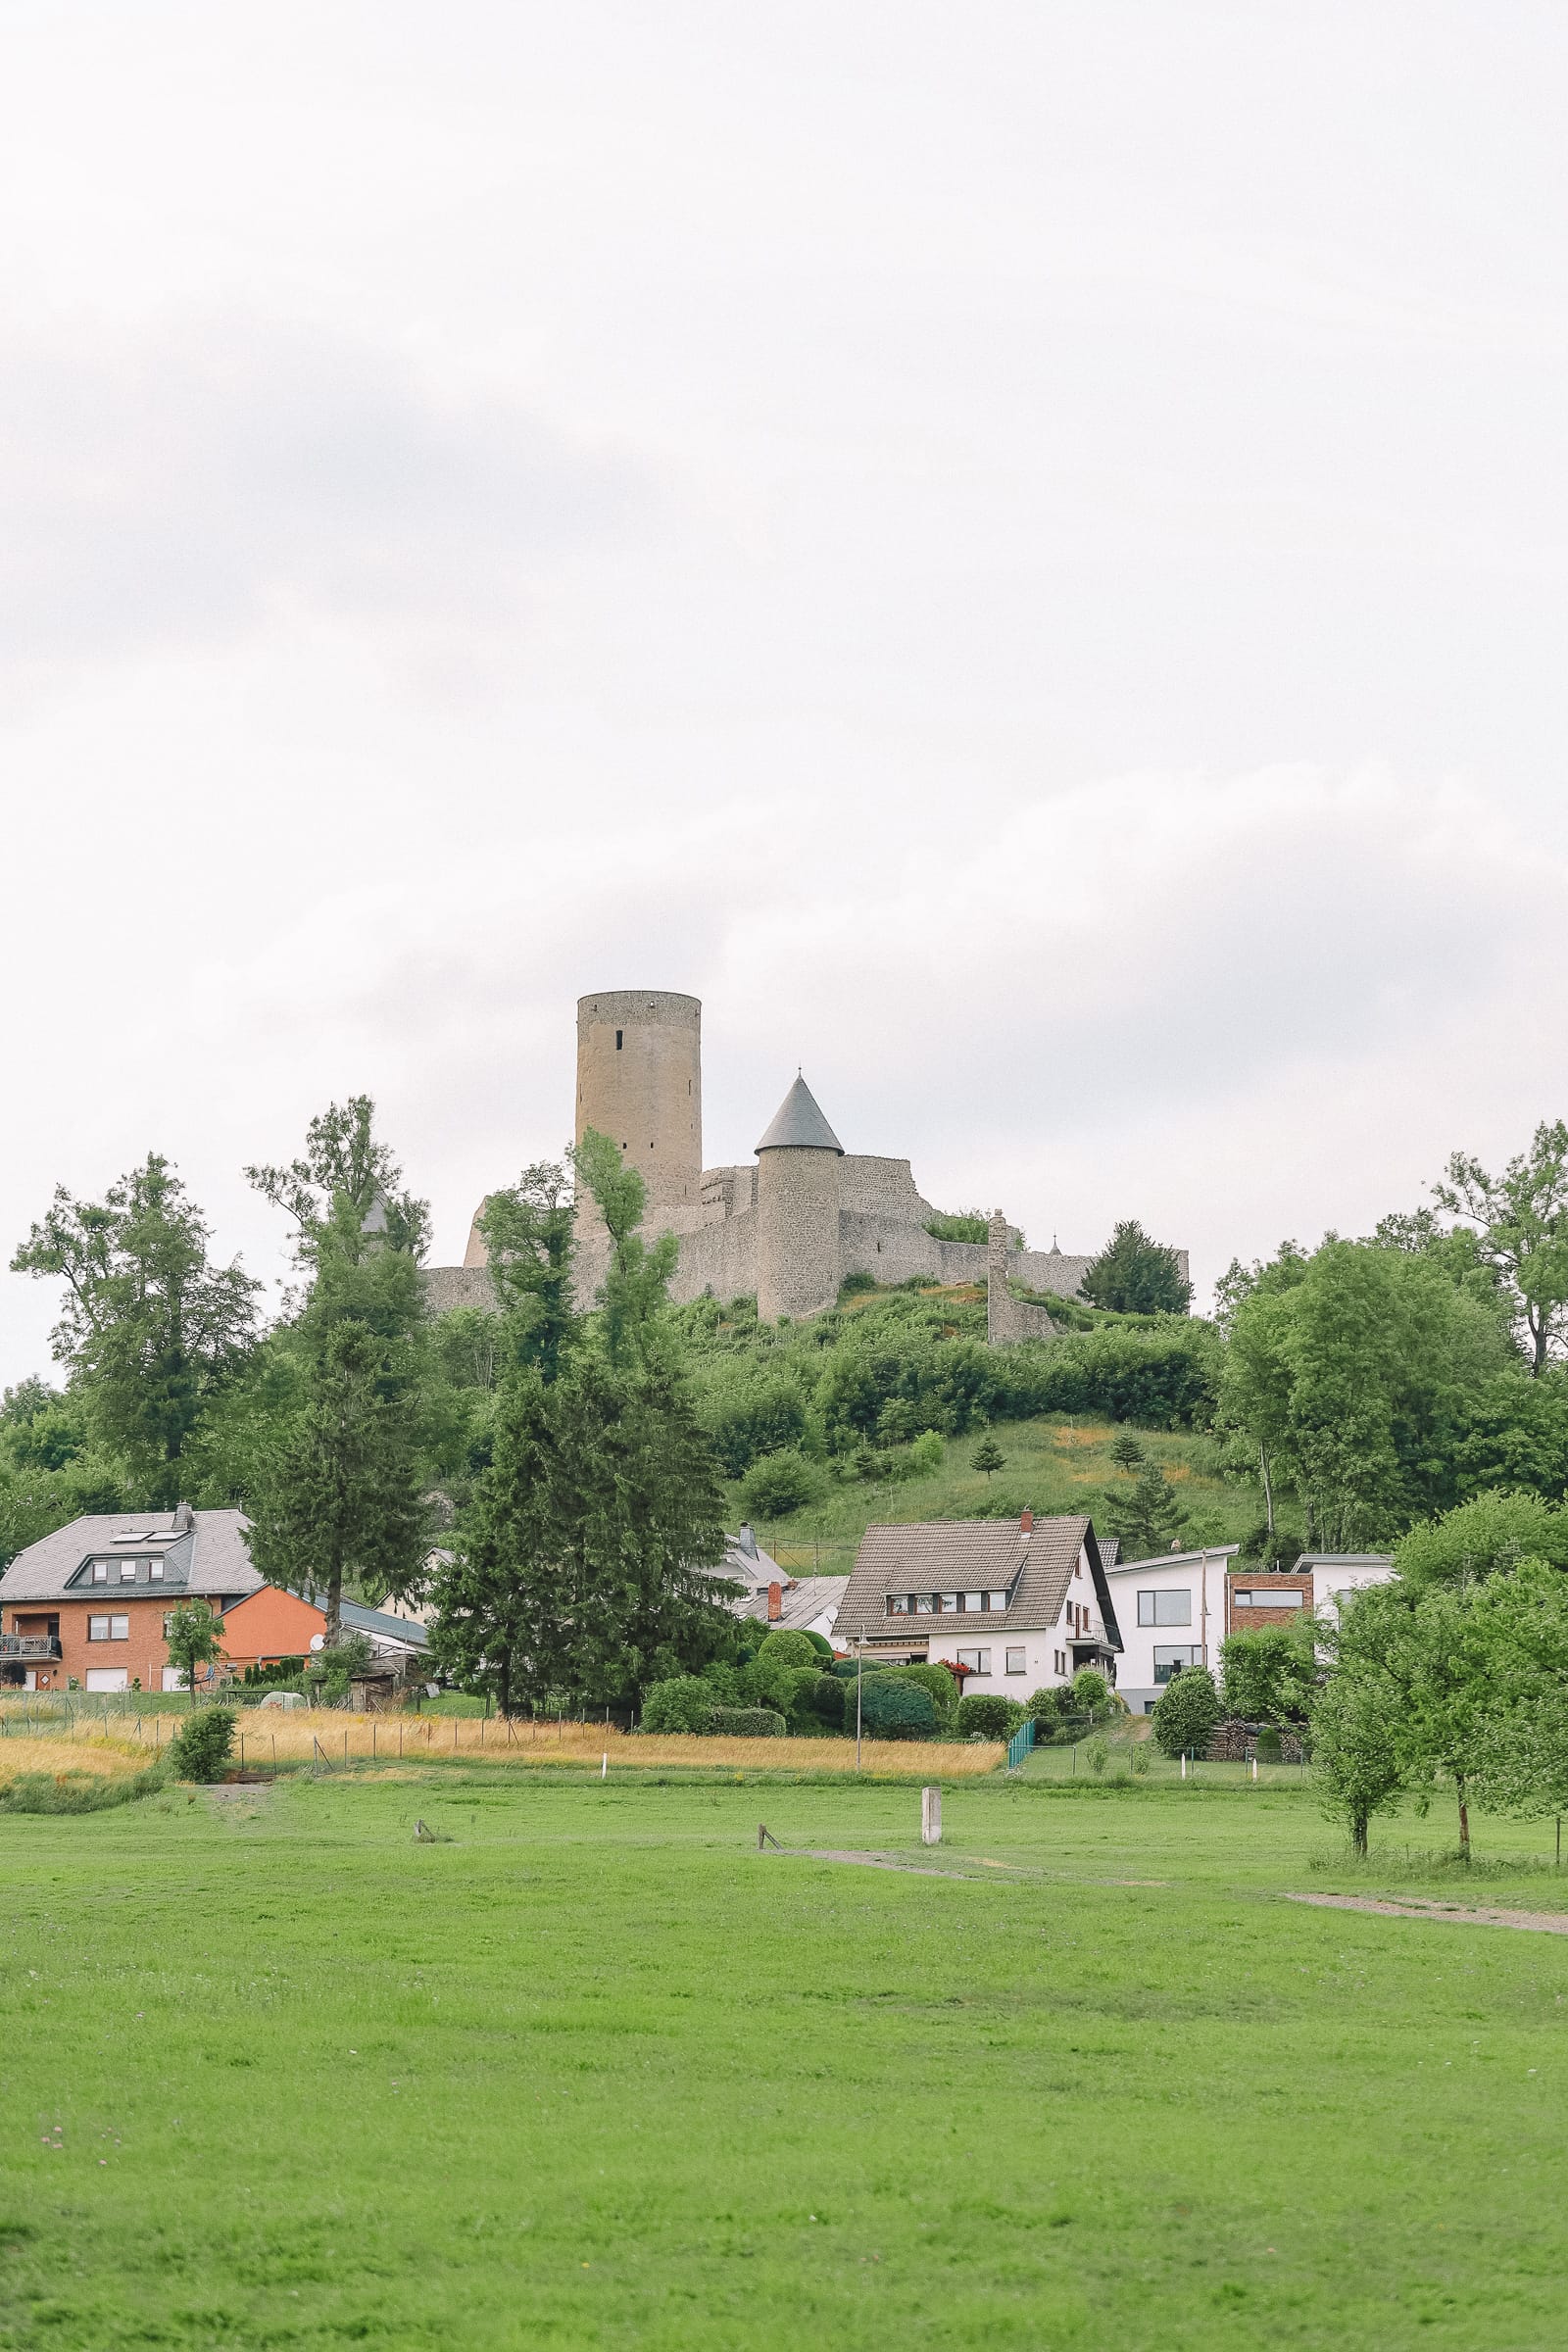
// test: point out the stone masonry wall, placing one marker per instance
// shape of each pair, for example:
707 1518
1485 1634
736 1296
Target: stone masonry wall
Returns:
798 1267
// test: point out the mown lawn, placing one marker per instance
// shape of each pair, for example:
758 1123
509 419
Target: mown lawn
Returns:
595 2072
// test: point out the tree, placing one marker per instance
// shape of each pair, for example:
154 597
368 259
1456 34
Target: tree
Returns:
348 1179
1478 1536
529 1233
1185 1712
340 1500
779 1485
1147 1516
152 1328
636 1284
1134 1275
1355 1369
584 1567
1271 1672
989 1458
1438 1652
193 1637
1522 1756
1126 1453
1520 1220
1357 1754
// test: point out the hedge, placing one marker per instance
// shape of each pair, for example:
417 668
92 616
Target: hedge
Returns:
747 1723
894 1709
987 1714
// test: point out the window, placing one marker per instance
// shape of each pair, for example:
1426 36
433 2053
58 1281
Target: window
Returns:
100 1572
1264 1597
975 1601
999 1600
923 1603
108 1628
128 1572
949 1600
1164 1608
898 1604
978 1661
618 1035
155 1569
1017 1661
1170 1661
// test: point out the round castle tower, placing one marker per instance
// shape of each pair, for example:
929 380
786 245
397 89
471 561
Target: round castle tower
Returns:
798 1254
640 1082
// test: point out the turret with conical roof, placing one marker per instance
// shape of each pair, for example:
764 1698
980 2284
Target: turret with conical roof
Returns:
798 1255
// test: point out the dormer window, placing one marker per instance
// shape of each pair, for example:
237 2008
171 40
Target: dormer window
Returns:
128 1572
100 1572
155 1569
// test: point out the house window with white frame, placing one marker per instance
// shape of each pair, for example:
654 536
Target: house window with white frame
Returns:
1168 1662
1165 1609
1017 1661
978 1661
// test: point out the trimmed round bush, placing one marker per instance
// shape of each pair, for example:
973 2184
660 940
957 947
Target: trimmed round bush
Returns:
986 1714
935 1681
1187 1711
829 1700
682 1704
786 1647
1046 1709
747 1723
822 1646
778 1484
893 1709
201 1747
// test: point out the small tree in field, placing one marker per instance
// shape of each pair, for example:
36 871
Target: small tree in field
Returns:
1358 1759
988 1456
193 1638
1187 1711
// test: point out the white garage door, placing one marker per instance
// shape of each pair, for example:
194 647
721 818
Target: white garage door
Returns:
107 1678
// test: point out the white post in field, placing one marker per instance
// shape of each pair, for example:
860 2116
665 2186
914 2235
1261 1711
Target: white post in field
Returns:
930 1817
1184 1763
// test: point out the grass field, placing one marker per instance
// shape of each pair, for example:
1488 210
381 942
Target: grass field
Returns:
594 2071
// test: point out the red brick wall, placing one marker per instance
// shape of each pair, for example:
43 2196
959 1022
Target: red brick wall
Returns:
1239 1621
270 1624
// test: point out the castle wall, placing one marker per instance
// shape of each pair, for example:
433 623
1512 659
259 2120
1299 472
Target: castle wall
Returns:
640 1082
719 1256
798 1267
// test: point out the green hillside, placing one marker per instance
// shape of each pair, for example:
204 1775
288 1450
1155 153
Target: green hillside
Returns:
1049 1466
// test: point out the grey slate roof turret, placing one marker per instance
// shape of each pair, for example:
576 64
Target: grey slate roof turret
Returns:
799 1125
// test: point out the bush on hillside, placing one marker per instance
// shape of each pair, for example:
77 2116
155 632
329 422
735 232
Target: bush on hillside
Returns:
1163 1378
987 1715
77 1792
926 1454
1187 1711
751 1417
1091 1692
748 1723
201 1747
1486 1533
1048 1708
779 1484
892 1709
683 1703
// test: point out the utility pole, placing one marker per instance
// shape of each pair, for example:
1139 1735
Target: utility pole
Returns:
860 1676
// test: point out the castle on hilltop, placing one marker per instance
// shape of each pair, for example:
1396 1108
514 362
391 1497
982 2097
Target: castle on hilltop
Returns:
789 1225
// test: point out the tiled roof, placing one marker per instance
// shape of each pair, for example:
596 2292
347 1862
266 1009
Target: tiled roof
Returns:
970 1555
218 1557
802 1600
799 1125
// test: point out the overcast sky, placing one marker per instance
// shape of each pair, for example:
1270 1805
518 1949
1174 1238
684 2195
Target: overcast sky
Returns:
1018 551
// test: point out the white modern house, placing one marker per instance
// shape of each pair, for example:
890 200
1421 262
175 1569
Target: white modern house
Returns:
1172 1613
1177 1608
1019 1604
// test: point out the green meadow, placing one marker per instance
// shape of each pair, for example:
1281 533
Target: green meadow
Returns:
589 2070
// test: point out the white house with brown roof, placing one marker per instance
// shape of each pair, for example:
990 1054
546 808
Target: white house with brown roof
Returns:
1021 1603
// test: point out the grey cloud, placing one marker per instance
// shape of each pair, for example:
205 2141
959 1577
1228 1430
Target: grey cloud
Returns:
183 486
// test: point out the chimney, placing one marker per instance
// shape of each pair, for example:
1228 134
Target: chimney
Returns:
745 1541
775 1603
1026 1523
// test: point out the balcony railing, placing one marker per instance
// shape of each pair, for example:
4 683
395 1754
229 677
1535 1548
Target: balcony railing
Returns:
30 1645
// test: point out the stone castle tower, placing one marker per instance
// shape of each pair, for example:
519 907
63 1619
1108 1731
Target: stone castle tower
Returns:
640 1082
799 1258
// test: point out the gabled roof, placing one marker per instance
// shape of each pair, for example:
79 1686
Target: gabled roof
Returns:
799 1125
218 1562
802 1600
971 1556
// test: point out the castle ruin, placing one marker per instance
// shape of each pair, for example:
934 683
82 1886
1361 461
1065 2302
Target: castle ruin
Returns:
789 1225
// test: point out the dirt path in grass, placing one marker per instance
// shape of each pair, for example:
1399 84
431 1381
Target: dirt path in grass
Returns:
1550 1923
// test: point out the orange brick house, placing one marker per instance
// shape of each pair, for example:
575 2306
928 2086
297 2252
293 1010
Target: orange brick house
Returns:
87 1606
272 1624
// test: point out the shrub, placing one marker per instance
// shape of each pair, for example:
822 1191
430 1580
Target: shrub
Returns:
748 1723
684 1704
1187 1711
1268 1745
986 1714
778 1484
926 1454
894 1709
1046 1706
1164 1377
1097 1754
787 1647
1091 1692
1140 1759
829 1700
201 1747
822 1646
934 1679
749 1418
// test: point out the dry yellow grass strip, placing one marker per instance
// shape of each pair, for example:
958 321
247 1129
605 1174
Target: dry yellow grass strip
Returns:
35 1752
